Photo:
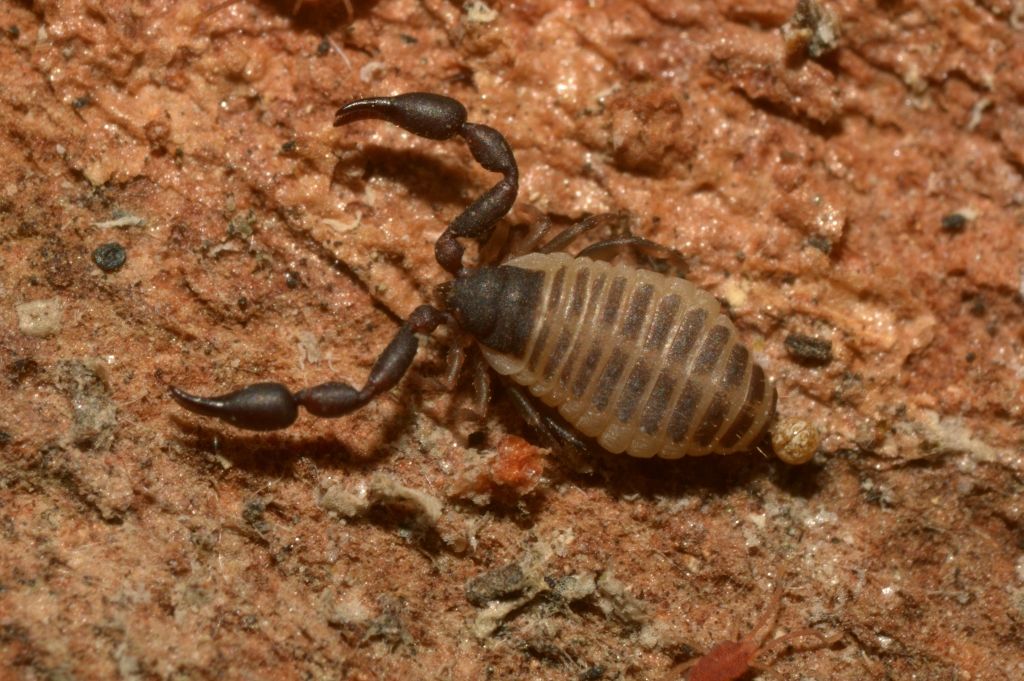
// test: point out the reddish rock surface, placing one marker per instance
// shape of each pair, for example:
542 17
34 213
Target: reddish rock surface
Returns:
857 201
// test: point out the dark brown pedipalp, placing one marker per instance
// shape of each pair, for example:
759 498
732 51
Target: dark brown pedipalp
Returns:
270 406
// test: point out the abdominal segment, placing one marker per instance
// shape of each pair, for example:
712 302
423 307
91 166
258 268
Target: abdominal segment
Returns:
644 363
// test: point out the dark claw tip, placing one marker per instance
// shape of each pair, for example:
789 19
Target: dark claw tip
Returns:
261 406
361 109
205 406
421 113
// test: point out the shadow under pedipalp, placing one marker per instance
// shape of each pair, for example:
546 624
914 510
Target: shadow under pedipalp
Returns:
422 173
275 454
320 17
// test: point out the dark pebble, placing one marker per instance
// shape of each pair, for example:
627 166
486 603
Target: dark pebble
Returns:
954 223
808 349
110 257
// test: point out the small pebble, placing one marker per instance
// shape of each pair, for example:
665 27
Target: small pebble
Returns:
39 318
109 257
809 349
501 583
954 223
821 242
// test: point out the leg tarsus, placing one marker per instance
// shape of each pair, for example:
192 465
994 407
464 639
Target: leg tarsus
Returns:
550 428
454 362
608 248
567 436
766 623
603 250
539 228
261 406
813 638
481 385
531 415
563 239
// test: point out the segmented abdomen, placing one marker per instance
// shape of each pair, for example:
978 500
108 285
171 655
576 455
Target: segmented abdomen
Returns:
644 363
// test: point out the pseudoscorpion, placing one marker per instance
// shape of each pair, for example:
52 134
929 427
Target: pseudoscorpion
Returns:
641 362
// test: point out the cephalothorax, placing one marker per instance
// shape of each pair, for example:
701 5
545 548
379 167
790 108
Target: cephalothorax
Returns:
642 362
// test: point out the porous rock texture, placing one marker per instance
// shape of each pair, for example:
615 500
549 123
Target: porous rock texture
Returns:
846 176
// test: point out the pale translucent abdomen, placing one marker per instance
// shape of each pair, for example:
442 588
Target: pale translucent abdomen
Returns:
644 363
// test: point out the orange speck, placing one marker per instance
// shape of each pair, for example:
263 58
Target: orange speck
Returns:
518 464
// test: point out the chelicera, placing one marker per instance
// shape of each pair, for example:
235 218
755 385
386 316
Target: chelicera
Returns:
641 362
